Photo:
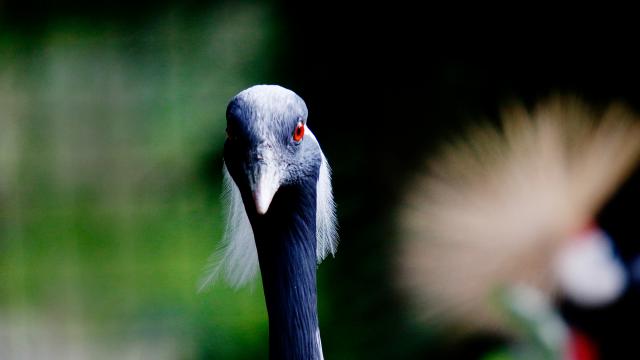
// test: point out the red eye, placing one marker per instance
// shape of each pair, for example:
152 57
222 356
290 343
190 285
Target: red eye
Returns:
298 133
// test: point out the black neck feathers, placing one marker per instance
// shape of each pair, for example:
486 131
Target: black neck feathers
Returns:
286 242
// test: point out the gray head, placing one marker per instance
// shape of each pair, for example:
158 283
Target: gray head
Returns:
268 144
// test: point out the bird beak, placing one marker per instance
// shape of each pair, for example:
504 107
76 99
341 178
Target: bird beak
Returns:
266 181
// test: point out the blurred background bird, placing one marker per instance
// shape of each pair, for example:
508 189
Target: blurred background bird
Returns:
281 214
503 224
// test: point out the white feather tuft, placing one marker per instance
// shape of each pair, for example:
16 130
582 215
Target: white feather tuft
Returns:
326 224
237 257
326 232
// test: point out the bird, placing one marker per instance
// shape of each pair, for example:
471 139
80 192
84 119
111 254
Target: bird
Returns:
281 214
512 206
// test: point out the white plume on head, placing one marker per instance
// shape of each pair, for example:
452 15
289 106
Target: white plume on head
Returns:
326 232
237 257
494 207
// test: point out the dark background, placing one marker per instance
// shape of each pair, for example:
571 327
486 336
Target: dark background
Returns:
384 85
396 81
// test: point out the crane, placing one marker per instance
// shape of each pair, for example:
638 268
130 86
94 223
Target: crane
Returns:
281 214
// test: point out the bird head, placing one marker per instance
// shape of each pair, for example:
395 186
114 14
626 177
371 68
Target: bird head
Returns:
268 143
268 147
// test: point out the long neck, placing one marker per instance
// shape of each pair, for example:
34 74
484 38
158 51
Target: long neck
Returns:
286 242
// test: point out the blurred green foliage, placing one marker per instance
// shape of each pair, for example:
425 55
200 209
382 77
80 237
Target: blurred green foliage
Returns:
106 219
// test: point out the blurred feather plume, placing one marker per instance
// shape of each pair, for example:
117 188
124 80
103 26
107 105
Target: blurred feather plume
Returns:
494 207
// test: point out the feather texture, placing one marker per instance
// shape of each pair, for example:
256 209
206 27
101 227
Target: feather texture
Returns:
326 232
237 258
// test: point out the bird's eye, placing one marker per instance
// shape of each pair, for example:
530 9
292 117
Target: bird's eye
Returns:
298 133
